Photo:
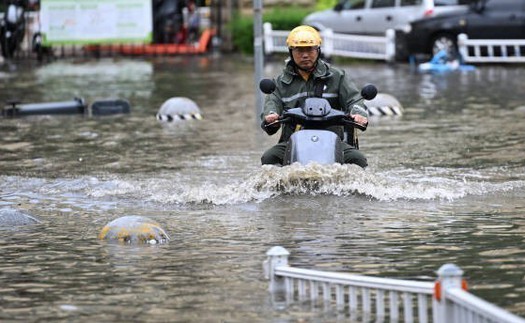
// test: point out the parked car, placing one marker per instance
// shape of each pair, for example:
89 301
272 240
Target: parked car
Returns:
483 19
374 17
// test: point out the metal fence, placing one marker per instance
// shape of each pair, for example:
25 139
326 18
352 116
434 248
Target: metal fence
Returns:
445 300
357 46
491 50
384 48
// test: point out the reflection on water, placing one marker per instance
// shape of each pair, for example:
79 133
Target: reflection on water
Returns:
445 184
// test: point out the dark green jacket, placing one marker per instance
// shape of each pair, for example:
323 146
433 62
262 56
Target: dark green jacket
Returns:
292 90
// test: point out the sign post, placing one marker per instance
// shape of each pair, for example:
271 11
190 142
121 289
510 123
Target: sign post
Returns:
258 53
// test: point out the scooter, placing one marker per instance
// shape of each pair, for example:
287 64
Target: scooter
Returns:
313 142
12 28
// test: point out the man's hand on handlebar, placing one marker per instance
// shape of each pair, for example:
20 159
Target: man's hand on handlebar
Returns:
359 119
271 118
271 123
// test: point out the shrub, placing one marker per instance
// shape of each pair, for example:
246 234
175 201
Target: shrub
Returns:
325 4
241 27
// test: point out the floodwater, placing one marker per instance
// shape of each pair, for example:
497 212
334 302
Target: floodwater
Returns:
445 185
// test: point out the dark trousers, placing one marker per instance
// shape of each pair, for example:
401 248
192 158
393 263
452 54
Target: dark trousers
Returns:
275 155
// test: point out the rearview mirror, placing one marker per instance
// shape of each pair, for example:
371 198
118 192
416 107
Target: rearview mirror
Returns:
267 86
369 92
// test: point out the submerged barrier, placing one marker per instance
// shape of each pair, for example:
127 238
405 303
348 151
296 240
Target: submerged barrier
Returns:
384 105
178 108
15 108
134 229
445 300
10 218
76 106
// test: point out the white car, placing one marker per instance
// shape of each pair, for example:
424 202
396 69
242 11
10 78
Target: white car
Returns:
374 17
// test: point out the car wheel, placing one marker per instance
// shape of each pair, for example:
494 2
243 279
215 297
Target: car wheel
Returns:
443 42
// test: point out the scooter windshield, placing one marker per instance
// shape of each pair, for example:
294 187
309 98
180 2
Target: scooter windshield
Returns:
316 107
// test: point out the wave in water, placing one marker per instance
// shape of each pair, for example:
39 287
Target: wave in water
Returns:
268 182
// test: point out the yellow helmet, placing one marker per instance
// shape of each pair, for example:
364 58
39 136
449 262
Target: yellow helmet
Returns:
303 36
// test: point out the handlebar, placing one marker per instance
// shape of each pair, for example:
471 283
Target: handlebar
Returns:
346 121
351 122
281 119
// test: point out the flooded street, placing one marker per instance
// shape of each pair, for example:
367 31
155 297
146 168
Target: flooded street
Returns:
445 184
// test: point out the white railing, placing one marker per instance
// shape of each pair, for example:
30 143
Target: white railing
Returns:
345 45
465 307
491 50
445 300
274 40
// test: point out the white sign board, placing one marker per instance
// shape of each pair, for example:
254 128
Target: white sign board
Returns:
96 21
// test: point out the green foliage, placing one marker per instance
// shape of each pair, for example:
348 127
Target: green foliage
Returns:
325 4
286 18
241 27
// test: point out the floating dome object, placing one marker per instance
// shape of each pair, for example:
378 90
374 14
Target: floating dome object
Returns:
179 108
384 105
12 217
134 230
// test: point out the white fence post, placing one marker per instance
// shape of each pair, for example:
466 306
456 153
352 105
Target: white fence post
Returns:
449 276
328 42
390 45
451 303
277 256
462 46
268 38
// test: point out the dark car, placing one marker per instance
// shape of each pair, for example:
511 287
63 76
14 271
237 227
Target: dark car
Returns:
483 19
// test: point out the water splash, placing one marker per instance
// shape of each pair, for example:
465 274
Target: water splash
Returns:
313 179
268 182
399 184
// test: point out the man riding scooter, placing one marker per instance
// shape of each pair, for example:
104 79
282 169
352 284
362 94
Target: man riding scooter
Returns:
307 75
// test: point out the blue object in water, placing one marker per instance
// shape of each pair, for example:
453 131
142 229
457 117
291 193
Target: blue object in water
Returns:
442 62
